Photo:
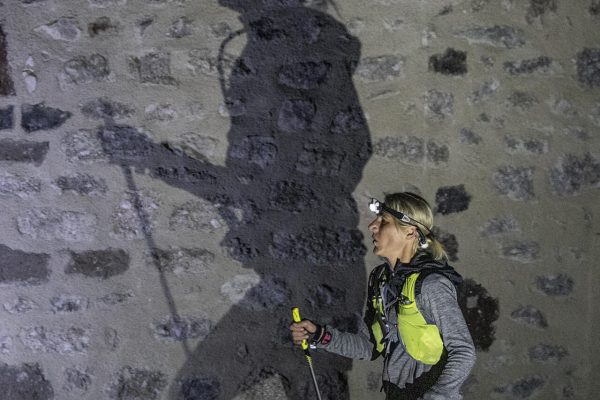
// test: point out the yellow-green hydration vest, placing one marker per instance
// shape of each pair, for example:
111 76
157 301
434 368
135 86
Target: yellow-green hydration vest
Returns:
421 340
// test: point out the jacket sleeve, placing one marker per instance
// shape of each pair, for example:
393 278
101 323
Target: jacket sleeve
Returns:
351 345
438 304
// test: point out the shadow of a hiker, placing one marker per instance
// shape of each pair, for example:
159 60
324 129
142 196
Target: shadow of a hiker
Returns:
298 143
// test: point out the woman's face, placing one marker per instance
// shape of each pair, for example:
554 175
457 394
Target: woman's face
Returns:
389 241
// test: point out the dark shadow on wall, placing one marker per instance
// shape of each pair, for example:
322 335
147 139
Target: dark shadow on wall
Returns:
298 144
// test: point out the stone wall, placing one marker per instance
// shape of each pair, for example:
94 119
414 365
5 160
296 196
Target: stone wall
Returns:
175 175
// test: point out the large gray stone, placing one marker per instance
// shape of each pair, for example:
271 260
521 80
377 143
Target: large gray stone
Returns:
346 122
105 108
53 224
526 145
83 145
65 29
64 303
17 266
296 115
320 160
153 68
537 8
6 117
452 199
20 186
523 388
498 226
547 353
73 340
530 316
497 36
21 305
382 68
258 150
555 285
83 184
522 100
103 26
138 384
406 149
77 379
526 251
573 174
515 182
541 64
438 104
180 260
181 328
82 69
98 263
588 66
23 151
452 62
25 382
7 86
197 215
485 92
135 216
36 117
181 27
304 75
318 246
292 196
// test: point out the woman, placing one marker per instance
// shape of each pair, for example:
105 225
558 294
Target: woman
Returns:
427 350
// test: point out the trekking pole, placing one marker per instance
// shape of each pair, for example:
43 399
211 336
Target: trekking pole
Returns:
296 316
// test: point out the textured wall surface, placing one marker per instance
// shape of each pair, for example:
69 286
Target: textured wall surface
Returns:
176 174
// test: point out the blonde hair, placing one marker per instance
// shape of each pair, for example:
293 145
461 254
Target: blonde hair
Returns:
418 209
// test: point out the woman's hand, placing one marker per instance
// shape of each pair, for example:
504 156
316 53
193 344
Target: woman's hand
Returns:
302 330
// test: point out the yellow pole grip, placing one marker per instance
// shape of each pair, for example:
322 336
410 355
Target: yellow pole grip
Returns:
296 316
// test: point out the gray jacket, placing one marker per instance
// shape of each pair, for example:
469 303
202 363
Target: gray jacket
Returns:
437 302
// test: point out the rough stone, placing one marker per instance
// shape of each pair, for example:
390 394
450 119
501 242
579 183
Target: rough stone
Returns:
198 146
320 160
296 115
153 68
438 104
37 117
83 145
181 328
20 306
6 345
197 215
452 199
526 145
20 186
258 150
112 299
6 118
240 250
522 251
52 224
221 29
541 64
292 196
17 266
437 153
267 29
104 108
573 174
530 316
382 68
81 70
68 341
485 92
595 8
68 303
588 67
266 384
304 75
254 293
102 26
497 36
562 107
452 62
138 384
160 112
449 242
7 86
111 338
499 226
206 61
318 246
25 382
106 3
555 285
123 142
82 184
199 388
547 353
523 388
99 263
522 100
135 216
409 150
325 296
480 310
180 260
537 8
348 121
469 137
577 132
64 28
180 28
514 182
77 379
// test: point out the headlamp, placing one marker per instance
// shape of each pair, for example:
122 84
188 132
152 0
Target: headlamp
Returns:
379 208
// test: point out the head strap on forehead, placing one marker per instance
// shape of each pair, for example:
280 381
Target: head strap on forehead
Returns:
379 208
